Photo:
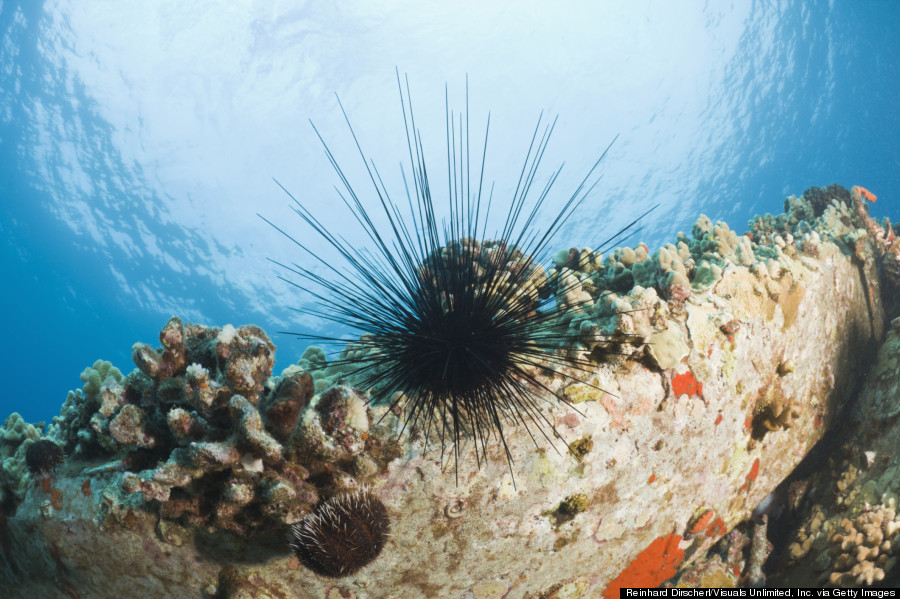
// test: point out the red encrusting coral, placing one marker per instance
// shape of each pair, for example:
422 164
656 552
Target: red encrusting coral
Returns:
754 470
751 476
686 384
651 567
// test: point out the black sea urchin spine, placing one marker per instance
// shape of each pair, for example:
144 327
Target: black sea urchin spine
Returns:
458 326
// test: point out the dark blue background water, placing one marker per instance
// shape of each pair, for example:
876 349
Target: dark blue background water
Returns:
137 144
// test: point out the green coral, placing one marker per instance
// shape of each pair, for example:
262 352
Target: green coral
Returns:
313 359
315 362
15 436
94 377
101 393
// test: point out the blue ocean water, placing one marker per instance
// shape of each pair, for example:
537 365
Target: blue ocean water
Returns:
139 140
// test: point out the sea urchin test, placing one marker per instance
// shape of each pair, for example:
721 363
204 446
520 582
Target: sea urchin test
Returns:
454 325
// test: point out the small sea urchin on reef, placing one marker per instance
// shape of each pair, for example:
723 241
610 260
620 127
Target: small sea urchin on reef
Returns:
42 457
343 535
455 326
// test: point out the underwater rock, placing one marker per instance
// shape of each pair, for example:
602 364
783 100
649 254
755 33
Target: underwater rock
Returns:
848 535
758 340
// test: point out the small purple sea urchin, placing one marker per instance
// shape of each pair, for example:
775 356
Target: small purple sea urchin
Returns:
455 325
42 457
343 535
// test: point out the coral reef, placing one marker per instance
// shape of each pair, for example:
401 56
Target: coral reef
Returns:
198 412
204 435
850 551
847 534
86 412
887 246
710 385
773 410
819 198
626 285
863 547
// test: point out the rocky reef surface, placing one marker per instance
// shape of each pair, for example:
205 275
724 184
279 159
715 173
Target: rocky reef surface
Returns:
723 360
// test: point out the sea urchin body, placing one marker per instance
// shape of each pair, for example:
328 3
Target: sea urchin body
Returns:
455 323
42 457
343 535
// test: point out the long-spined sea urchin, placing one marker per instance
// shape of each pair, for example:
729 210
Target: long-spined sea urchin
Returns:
454 329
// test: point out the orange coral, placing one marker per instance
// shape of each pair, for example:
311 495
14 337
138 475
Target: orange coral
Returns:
716 528
754 470
751 476
685 383
706 525
650 568
867 194
701 522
